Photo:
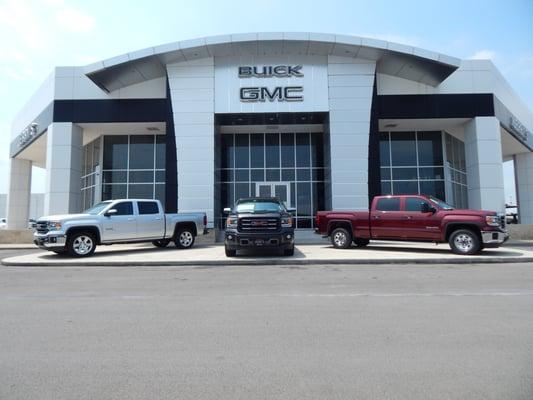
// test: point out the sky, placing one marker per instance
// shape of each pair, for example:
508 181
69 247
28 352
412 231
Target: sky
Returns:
40 34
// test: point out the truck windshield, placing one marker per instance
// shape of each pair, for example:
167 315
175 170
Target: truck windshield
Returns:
258 207
97 208
440 203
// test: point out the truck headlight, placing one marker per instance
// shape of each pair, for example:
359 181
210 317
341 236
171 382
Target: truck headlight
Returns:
54 225
492 220
286 222
231 222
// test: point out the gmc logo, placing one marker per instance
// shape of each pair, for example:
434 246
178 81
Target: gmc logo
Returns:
268 71
262 94
259 223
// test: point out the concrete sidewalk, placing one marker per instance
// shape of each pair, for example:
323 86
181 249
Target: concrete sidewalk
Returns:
213 255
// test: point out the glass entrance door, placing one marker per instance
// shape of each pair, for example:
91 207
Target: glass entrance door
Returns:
281 190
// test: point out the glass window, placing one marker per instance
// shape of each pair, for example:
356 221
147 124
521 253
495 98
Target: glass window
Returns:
287 150
405 187
431 173
303 198
403 149
141 191
114 177
160 176
303 155
160 193
414 204
257 151
113 192
227 151
141 152
242 190
287 175
272 150
160 150
388 204
272 175
384 149
433 188
115 152
317 150
148 207
242 175
124 208
242 151
141 176
429 148
257 175
404 173
303 174
386 188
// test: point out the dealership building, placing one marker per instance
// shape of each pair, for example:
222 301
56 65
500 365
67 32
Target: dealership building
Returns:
322 121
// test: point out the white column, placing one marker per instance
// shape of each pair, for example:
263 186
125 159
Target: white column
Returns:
484 164
18 196
193 106
523 164
64 158
351 83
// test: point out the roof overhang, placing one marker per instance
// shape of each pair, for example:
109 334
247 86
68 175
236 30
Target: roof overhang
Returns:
392 58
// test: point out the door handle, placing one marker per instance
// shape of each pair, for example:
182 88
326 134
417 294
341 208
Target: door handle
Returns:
376 216
158 218
131 219
408 217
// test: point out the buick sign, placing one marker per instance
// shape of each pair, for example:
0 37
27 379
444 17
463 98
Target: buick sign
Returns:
276 93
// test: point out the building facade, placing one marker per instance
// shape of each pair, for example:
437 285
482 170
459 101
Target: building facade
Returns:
321 121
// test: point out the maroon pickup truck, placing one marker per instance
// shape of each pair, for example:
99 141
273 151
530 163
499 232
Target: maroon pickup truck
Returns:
414 218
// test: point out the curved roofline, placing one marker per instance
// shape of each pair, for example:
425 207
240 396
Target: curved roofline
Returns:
394 59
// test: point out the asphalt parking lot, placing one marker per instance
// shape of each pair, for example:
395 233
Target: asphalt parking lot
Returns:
267 332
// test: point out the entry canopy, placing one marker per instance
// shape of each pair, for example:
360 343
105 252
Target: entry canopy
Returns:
392 58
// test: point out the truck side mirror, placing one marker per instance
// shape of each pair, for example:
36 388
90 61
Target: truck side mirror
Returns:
227 210
291 210
425 208
111 212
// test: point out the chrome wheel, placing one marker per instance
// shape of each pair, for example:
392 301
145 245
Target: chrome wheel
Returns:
82 245
464 242
340 239
186 239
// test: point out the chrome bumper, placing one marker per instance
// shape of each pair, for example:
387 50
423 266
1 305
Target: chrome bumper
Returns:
49 242
494 237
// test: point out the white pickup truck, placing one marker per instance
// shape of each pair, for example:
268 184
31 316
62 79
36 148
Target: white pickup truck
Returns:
117 221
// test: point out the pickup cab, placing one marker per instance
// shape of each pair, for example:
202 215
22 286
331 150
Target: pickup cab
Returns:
117 221
414 218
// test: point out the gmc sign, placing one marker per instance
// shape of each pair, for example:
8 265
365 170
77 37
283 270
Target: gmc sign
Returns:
277 93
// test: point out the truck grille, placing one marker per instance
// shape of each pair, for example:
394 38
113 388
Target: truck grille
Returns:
258 224
41 227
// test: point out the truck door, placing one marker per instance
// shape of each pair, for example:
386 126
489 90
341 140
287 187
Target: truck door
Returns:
150 222
419 223
122 225
386 219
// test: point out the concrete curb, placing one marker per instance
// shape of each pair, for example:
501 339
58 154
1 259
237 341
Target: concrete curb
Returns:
271 261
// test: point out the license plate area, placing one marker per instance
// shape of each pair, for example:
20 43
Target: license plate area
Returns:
259 242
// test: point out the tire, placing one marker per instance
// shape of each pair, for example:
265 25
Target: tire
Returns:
161 243
81 244
341 238
230 252
361 242
464 242
288 252
184 239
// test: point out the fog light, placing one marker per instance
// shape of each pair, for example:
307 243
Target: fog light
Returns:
289 236
230 237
